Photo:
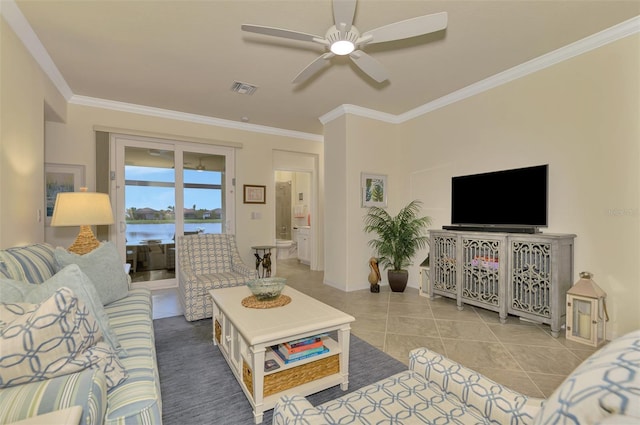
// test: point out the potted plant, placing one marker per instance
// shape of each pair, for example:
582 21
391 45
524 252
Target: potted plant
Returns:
399 238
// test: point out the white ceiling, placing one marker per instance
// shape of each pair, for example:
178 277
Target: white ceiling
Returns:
184 55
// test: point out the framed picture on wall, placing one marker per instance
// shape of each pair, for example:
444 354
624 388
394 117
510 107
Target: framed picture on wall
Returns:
374 190
60 178
253 194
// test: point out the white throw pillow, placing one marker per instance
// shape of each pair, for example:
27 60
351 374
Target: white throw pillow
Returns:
57 337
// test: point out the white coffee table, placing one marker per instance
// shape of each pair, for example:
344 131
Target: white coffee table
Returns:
244 336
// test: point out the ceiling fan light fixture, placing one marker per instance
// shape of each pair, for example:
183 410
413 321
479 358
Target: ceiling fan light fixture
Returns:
342 47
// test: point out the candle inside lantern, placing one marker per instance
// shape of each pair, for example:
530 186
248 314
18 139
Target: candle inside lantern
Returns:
584 325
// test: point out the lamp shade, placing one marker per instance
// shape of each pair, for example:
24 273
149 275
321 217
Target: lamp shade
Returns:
81 208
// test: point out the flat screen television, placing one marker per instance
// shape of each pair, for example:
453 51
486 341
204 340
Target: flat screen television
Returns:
507 200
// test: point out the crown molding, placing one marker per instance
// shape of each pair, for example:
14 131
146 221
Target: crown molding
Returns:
594 41
18 23
360 111
333 114
198 119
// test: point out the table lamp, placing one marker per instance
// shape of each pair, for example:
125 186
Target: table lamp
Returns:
83 209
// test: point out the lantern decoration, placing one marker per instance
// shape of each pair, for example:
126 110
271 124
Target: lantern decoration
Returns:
586 312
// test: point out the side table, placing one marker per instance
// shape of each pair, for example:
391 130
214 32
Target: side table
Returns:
264 261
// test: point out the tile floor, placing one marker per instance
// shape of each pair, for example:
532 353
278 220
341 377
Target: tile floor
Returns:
520 355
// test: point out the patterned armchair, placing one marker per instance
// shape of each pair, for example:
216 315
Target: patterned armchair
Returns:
208 261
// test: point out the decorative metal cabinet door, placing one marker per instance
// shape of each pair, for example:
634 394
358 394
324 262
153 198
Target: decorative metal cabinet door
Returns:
483 282
443 264
540 273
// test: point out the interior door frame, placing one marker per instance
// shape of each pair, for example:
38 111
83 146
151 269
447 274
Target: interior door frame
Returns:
298 162
117 145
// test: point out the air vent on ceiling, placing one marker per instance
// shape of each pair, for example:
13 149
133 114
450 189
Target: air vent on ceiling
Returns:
243 88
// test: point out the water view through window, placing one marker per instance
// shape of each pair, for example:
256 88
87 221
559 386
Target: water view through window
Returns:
153 218
150 203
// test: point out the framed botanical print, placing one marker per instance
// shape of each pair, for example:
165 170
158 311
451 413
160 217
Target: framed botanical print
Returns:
374 190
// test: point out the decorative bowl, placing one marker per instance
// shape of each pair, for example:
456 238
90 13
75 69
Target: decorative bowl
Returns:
267 289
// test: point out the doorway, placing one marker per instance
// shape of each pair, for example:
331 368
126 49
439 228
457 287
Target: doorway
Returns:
164 189
296 207
293 195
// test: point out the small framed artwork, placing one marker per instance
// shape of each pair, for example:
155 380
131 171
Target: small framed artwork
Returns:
374 190
60 178
254 194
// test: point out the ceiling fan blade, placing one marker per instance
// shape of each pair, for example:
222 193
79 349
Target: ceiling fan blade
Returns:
279 32
343 12
312 68
408 28
369 65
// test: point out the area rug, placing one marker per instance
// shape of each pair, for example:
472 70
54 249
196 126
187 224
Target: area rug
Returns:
199 388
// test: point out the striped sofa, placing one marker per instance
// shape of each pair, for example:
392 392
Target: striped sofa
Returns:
135 401
603 390
208 261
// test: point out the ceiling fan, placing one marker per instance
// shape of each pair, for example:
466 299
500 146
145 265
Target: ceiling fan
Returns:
200 167
344 39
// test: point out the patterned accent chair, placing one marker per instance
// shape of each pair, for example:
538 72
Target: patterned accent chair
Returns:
603 390
435 390
208 261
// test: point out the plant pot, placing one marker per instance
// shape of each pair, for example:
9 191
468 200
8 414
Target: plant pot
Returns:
398 280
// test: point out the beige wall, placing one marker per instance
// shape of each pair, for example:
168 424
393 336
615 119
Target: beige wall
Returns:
335 196
354 145
582 118
26 96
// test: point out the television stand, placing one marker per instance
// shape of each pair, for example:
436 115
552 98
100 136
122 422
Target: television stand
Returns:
530 230
512 274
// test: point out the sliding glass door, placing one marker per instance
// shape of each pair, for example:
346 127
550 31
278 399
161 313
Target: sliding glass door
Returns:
164 189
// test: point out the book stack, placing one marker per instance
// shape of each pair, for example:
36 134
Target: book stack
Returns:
300 349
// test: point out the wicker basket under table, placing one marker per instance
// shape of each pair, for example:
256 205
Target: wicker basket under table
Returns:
289 378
